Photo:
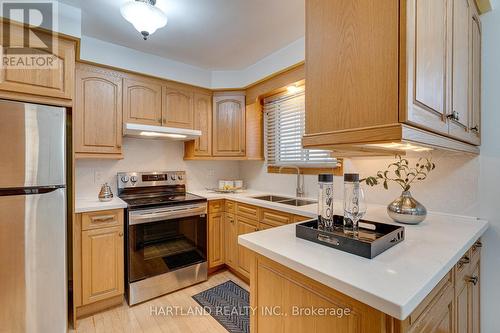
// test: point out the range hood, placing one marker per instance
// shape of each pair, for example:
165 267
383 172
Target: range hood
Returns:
159 132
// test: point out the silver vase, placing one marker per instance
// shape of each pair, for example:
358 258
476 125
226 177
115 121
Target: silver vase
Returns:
407 210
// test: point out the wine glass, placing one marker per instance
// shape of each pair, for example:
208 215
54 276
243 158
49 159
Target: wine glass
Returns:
354 208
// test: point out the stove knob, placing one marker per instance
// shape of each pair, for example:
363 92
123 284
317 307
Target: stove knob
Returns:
133 179
180 177
172 177
124 179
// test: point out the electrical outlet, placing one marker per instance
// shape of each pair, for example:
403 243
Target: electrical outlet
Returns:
98 177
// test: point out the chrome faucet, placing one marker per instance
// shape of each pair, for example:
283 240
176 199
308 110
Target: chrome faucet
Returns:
299 191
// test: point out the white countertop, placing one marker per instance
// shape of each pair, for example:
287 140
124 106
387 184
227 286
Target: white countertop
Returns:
247 197
93 204
394 282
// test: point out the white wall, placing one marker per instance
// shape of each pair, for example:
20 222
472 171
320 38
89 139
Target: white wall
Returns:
102 52
150 155
489 185
288 56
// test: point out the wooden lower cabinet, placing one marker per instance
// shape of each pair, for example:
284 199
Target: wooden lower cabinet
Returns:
102 264
216 240
475 300
278 294
467 292
227 220
231 241
245 256
98 261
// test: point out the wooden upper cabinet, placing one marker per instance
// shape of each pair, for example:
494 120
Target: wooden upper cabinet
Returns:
203 123
245 256
228 124
427 64
387 71
461 79
351 64
56 81
475 121
97 111
177 107
142 101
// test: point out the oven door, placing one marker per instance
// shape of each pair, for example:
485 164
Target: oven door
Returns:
166 239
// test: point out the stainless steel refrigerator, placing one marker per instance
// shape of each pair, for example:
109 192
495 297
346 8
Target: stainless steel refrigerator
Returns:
33 295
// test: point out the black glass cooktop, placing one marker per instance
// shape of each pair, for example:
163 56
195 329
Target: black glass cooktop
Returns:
160 199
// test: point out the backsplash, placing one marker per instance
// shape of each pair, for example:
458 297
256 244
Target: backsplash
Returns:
451 188
150 155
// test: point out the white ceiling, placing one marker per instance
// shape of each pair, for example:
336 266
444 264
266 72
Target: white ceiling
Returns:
211 34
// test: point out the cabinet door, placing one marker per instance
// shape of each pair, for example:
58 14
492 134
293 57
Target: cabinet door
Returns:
53 81
427 64
142 101
244 255
215 240
475 300
98 111
229 126
459 127
177 108
438 318
476 80
231 241
203 123
462 307
102 264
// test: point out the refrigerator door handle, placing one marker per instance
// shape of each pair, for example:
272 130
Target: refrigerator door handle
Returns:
5 192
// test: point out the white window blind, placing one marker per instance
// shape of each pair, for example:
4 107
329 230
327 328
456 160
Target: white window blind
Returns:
284 118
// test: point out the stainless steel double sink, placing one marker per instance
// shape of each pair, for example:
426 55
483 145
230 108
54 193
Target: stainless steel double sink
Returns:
285 200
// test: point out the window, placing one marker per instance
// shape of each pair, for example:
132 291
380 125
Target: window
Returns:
284 117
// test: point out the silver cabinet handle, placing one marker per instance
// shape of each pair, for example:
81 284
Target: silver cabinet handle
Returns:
473 279
463 261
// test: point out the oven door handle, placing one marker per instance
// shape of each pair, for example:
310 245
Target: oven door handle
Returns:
167 214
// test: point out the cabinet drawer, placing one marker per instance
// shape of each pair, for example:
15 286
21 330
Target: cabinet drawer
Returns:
248 211
230 207
215 206
102 219
462 269
275 218
475 252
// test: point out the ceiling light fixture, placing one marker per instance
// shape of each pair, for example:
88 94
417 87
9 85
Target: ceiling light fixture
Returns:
144 16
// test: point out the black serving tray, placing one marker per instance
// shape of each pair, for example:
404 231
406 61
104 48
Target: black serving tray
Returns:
373 237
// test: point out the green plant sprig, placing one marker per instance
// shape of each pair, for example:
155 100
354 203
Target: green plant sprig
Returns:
401 173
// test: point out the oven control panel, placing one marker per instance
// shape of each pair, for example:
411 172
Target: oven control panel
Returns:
148 179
